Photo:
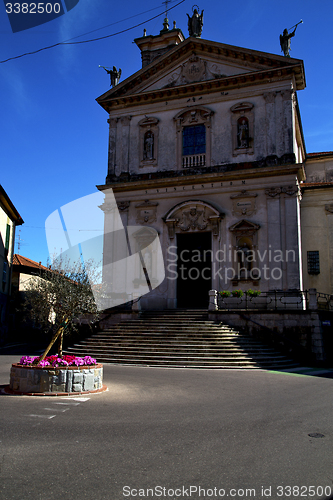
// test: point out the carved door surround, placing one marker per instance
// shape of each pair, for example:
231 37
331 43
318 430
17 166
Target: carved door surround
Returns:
193 215
242 121
196 115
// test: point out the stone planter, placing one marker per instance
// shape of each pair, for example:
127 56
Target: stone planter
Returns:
232 303
60 380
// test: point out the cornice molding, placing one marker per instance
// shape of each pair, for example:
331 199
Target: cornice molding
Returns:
197 88
182 178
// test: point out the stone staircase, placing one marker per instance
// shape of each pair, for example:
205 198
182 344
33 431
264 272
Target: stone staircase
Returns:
179 338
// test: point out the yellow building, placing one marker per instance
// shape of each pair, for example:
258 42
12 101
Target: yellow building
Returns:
9 219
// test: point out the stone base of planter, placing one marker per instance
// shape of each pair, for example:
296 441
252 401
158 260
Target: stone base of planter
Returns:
61 380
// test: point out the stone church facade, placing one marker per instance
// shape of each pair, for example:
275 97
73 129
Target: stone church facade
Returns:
206 147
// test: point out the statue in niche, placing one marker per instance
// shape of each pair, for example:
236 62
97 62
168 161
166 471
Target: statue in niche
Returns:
148 147
243 138
195 23
244 254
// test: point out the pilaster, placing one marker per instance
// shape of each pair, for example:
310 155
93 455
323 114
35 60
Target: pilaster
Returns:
329 214
287 105
274 236
112 146
270 123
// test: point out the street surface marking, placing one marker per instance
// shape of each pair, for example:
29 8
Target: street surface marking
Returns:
40 416
68 404
57 409
79 399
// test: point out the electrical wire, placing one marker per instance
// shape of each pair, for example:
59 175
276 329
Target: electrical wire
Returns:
117 22
91 40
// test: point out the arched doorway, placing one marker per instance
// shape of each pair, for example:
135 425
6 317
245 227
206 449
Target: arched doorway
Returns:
192 228
194 269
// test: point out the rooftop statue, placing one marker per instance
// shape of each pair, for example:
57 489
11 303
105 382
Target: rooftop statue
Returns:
114 75
195 23
285 39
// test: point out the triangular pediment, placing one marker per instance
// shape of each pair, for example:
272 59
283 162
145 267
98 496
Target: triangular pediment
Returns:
244 226
197 61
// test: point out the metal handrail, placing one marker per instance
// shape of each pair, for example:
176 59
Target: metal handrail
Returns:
275 300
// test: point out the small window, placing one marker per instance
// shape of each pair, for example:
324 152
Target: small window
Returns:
194 140
313 262
7 237
4 272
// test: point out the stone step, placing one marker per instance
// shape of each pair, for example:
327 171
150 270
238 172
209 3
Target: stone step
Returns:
179 339
173 339
179 346
196 362
158 355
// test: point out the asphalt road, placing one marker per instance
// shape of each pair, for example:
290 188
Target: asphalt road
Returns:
165 433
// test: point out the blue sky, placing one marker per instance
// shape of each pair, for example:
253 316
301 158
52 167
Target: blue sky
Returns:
54 134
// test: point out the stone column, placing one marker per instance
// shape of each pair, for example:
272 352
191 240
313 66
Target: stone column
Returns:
124 145
123 207
292 250
313 299
270 123
274 237
114 245
279 132
136 305
212 306
288 127
317 346
112 146
329 213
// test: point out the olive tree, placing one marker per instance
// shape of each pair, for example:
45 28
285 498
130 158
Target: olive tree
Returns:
61 295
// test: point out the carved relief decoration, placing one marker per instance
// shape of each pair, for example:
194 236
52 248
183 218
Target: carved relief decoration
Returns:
197 70
244 228
146 212
194 70
290 190
123 205
244 203
193 216
273 192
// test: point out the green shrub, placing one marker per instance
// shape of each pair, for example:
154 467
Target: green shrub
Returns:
253 293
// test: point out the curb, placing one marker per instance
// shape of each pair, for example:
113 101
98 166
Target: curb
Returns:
10 392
